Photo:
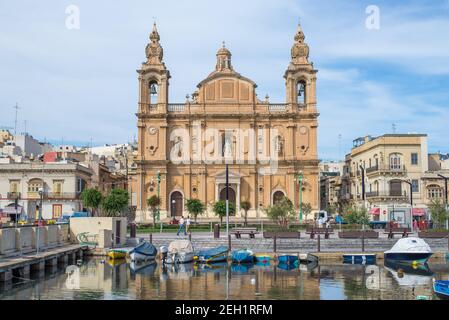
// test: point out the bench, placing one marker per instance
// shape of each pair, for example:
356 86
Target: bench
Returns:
433 234
369 234
249 231
326 231
282 235
402 231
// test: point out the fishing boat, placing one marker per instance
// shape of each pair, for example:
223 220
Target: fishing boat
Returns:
412 250
308 258
116 262
441 288
359 258
212 255
145 251
242 256
118 253
262 258
180 251
287 258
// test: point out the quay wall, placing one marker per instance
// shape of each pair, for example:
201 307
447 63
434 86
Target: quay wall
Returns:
52 235
8 242
24 239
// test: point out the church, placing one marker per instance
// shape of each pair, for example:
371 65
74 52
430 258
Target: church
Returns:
183 148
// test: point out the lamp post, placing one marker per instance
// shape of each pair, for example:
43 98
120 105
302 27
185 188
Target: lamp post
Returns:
445 197
299 178
41 195
411 203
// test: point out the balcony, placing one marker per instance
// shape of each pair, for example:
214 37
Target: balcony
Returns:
13 195
386 169
391 195
62 195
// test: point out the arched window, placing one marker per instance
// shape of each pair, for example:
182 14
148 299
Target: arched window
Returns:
301 92
435 192
395 161
153 91
278 196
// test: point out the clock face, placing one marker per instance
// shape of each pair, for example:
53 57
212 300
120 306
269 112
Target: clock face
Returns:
153 130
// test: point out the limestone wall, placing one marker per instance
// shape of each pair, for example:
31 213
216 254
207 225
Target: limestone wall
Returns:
93 225
52 235
8 242
41 234
24 239
63 234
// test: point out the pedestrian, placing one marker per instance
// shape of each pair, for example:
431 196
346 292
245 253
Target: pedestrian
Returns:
415 224
188 222
182 226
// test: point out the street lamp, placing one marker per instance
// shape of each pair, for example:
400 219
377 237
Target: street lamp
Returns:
445 197
300 178
41 195
411 203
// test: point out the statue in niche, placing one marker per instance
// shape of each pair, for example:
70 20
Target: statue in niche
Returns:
278 144
178 146
228 148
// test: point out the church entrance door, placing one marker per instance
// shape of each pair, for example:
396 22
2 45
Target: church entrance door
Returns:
176 204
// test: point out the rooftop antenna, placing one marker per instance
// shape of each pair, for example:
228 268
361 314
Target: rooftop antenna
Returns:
15 122
393 127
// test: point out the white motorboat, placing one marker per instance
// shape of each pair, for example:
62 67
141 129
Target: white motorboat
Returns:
143 252
412 250
180 251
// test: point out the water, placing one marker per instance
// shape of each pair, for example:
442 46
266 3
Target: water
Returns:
98 279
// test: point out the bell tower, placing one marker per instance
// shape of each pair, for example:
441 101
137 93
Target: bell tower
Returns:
300 77
153 77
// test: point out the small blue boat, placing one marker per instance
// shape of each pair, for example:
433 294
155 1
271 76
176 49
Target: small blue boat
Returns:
242 256
359 258
287 258
441 288
262 264
143 252
212 255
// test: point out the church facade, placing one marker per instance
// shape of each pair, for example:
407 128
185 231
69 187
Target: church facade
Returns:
183 148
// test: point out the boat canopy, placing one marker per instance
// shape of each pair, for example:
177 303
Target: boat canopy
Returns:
145 248
179 246
213 251
410 245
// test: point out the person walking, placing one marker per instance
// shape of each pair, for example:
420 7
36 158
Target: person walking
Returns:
182 226
188 223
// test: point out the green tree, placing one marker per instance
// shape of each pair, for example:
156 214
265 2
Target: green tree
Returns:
195 207
331 208
220 209
282 212
116 202
92 199
438 212
245 205
355 215
154 202
306 209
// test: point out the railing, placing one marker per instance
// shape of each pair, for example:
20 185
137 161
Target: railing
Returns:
176 107
389 194
387 168
278 107
13 195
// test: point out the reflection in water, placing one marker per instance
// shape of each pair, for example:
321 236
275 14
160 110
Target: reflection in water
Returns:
99 279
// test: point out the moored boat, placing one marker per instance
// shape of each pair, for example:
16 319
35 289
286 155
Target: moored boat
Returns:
180 251
441 288
212 255
412 250
287 258
118 253
308 258
242 256
262 258
145 251
359 258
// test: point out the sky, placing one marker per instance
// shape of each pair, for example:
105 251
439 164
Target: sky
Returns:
77 84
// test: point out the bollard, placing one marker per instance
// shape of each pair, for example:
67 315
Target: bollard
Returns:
229 242
390 234
319 242
151 238
326 234
363 241
275 243
190 237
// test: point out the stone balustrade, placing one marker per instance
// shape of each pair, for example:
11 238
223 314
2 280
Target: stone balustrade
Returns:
14 241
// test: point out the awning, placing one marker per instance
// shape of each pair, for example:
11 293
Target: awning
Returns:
419 212
12 210
374 211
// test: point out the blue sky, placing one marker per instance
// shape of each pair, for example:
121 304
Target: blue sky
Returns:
81 84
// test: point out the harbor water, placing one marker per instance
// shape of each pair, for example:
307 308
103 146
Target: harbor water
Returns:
96 278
